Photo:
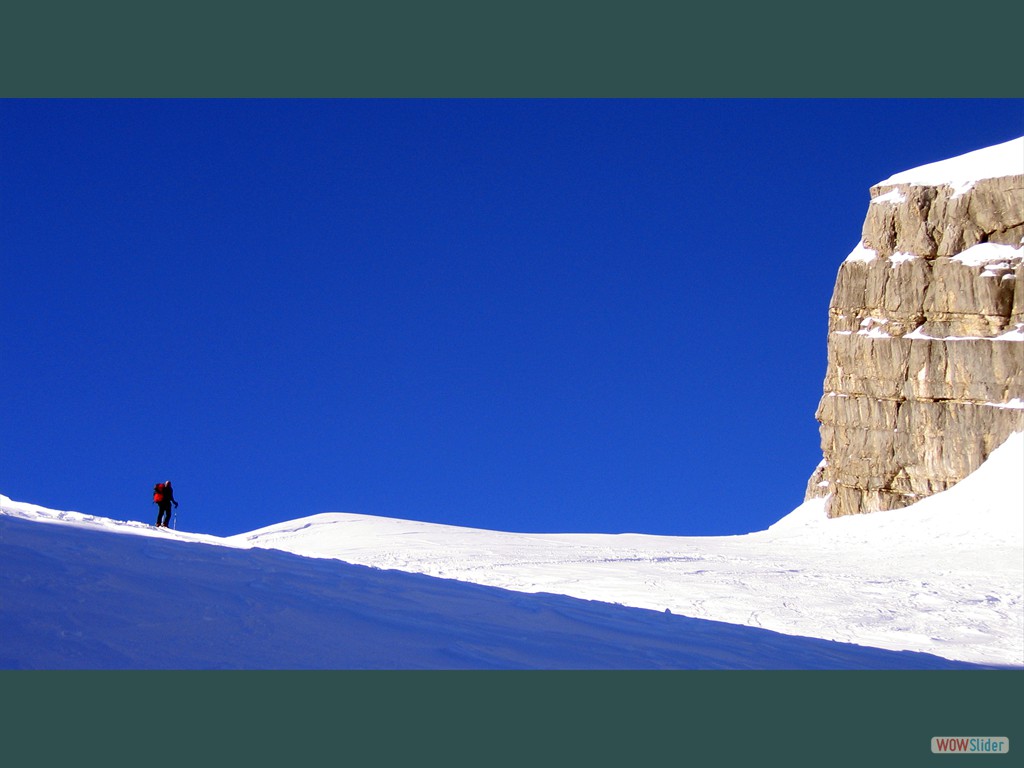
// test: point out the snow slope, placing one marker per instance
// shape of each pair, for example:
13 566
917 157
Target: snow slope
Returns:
936 585
945 576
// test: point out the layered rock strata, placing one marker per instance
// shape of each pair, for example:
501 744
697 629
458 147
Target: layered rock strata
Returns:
925 373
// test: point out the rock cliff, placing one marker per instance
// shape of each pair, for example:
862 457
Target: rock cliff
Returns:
925 373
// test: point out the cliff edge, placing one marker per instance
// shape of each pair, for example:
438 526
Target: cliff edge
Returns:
925 374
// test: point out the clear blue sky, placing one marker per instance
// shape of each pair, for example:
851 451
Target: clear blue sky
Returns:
579 316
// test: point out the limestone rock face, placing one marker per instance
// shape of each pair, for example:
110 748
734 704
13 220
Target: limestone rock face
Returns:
925 373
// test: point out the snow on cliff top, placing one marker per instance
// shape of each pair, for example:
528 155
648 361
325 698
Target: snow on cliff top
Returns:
1005 159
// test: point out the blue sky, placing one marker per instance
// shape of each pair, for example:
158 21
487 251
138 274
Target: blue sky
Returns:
554 315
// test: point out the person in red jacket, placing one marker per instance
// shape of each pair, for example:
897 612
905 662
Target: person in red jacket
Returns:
163 497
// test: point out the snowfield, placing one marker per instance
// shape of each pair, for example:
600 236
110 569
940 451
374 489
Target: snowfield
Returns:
937 585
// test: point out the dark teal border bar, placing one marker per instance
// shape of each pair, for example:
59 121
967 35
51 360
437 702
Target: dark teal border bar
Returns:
474 48
507 718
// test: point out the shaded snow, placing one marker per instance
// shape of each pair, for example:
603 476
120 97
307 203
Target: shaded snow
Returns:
931 586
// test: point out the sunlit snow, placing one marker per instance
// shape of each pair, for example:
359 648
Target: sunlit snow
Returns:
861 252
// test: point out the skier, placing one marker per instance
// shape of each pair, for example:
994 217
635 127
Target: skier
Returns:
163 497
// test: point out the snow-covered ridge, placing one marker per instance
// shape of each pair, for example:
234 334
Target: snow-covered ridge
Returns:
1006 159
39 514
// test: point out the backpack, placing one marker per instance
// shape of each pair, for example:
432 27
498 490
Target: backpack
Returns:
158 493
